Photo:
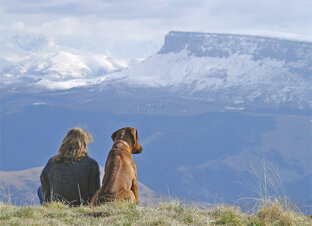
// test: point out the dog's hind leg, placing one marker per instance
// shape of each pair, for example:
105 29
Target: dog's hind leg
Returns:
127 195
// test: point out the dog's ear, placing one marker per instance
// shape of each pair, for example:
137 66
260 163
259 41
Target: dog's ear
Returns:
114 135
134 135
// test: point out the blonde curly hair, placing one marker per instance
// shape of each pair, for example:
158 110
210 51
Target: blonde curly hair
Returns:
74 146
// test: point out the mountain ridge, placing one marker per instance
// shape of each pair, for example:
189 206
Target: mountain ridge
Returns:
208 66
224 34
236 71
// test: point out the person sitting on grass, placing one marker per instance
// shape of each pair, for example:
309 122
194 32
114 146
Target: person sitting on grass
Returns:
71 177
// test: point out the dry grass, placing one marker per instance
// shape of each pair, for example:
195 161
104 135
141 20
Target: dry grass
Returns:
169 213
280 212
269 207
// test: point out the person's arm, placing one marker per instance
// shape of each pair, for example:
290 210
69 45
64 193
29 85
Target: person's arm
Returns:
45 185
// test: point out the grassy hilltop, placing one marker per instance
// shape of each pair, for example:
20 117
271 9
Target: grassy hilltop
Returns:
167 213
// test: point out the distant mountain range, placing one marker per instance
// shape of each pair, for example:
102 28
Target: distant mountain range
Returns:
234 71
47 63
208 108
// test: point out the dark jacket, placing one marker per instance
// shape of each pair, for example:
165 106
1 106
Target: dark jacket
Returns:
73 183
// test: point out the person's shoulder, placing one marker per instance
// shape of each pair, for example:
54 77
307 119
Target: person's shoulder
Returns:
48 166
50 162
90 160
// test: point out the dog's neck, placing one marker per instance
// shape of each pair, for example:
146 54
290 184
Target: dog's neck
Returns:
122 142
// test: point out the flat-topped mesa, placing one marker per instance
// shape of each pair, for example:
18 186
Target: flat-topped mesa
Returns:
223 45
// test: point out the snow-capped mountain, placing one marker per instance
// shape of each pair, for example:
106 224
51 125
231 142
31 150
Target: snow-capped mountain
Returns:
235 71
48 63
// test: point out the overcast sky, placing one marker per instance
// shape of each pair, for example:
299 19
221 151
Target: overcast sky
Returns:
136 28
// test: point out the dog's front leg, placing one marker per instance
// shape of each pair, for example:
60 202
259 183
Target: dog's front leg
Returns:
134 189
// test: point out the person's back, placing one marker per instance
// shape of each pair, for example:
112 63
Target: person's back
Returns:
71 176
73 183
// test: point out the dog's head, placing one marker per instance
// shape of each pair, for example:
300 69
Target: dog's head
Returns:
130 135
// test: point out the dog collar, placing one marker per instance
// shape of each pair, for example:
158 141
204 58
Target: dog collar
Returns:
123 142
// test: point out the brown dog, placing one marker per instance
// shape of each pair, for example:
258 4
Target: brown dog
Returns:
120 177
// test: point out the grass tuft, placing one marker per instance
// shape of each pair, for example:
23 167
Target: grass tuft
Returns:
280 213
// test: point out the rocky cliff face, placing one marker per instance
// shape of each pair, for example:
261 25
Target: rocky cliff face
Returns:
239 70
225 45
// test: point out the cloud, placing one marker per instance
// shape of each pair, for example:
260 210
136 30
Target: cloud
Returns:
276 15
147 21
212 12
117 9
63 26
147 141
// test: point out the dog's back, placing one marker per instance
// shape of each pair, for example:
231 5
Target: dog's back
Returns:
120 171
